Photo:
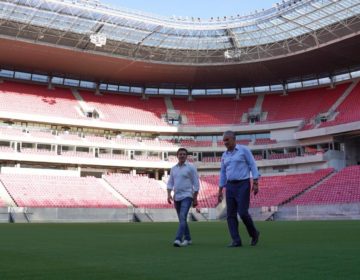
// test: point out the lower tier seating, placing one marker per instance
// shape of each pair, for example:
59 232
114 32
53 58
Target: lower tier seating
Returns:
141 191
58 191
343 187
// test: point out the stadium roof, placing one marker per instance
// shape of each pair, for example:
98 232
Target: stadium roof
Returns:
239 47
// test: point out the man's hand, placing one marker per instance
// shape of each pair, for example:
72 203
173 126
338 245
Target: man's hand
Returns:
169 199
195 202
255 187
220 195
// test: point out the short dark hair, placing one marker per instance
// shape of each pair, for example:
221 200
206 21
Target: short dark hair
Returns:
182 150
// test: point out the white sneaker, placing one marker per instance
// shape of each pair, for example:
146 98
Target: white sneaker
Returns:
186 243
177 243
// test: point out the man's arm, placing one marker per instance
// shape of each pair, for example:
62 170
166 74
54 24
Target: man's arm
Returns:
220 194
196 184
222 180
255 186
169 196
254 170
170 186
195 201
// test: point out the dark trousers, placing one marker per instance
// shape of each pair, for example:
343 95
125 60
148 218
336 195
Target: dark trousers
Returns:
237 202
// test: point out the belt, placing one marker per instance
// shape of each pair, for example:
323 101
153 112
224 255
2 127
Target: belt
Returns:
236 181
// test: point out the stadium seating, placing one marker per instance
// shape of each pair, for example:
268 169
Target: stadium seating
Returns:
343 187
209 186
172 159
58 191
125 109
38 100
210 111
275 190
11 131
305 104
2 203
211 159
156 142
96 139
258 157
147 158
264 141
6 149
140 191
195 143
280 156
37 151
244 142
41 134
348 109
113 156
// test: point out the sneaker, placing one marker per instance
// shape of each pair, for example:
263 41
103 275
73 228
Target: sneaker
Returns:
177 243
235 244
186 243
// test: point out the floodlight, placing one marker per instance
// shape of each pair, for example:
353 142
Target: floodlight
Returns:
98 40
231 54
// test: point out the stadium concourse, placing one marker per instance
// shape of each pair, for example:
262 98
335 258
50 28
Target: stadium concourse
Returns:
94 106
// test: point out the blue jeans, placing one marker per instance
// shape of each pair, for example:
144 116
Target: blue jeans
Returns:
237 202
182 209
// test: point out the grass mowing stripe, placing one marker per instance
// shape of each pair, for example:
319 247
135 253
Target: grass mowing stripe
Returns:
286 250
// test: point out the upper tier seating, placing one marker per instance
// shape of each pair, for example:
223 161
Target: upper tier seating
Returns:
38 100
304 104
195 143
343 187
158 142
348 110
281 156
213 111
58 191
11 131
264 141
211 159
244 142
126 109
6 149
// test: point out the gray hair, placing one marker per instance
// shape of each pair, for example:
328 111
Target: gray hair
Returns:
230 133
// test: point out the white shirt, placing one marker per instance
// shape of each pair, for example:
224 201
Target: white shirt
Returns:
184 180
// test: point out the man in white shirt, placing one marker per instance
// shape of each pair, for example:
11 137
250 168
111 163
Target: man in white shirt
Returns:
184 181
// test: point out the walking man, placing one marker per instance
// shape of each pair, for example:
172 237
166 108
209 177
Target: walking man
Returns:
236 163
184 181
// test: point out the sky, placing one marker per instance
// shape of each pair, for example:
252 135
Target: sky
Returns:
193 8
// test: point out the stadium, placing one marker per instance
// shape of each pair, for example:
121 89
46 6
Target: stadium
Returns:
95 101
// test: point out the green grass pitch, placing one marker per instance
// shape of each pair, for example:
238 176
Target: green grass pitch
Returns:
286 250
